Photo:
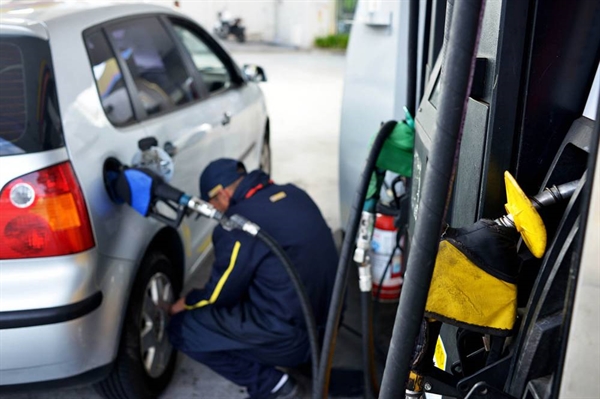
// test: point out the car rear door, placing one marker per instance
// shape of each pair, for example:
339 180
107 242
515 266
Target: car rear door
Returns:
174 108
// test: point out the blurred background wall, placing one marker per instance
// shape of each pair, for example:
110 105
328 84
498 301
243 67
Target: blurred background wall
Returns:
286 22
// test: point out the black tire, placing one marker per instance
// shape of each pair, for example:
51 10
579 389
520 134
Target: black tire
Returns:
265 157
130 377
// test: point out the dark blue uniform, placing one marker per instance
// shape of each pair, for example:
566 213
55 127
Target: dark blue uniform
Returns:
248 318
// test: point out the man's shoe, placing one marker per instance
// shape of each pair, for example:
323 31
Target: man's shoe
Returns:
290 390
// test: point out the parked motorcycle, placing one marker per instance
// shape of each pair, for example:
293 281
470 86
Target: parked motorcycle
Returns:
226 26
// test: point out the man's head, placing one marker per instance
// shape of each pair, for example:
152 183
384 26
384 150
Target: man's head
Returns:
219 181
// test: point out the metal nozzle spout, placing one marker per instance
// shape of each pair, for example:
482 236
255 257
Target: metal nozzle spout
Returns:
203 208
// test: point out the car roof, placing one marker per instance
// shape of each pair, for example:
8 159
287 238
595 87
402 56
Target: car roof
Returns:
80 15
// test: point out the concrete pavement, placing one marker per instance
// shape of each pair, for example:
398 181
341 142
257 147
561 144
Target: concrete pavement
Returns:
304 97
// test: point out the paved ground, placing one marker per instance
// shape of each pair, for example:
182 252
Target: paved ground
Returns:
304 96
304 93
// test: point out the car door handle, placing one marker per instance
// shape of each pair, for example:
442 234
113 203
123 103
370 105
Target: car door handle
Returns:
170 149
226 118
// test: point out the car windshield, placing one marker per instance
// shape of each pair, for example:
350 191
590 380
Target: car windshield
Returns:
29 113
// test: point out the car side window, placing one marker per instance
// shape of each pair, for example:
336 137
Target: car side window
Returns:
155 64
109 80
213 71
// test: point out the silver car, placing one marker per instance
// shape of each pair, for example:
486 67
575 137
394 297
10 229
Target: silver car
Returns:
85 283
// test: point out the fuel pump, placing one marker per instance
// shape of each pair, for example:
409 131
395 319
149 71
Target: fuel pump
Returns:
474 287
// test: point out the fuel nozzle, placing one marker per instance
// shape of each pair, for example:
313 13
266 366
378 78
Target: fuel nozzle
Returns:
523 211
142 188
202 207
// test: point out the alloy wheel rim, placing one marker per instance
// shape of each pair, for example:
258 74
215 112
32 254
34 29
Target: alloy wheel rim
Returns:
154 344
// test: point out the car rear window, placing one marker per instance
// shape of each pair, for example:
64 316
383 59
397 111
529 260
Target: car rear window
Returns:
29 113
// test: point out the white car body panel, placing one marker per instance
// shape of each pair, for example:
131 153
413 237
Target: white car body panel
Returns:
122 236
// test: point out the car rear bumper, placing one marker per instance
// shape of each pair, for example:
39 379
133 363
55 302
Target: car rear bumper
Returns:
85 378
40 317
68 340
47 352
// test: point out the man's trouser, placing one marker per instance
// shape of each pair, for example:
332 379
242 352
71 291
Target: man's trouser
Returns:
239 345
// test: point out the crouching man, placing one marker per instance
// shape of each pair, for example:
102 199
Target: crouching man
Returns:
247 319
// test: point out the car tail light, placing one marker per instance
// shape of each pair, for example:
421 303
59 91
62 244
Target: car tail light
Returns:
44 214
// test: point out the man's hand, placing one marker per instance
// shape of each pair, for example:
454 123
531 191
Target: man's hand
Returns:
178 306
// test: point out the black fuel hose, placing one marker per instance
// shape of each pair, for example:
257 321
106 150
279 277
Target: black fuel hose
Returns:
341 279
413 44
457 73
371 381
307 310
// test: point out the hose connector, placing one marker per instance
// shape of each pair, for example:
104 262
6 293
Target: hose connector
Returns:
506 221
240 222
413 395
414 386
202 207
359 255
237 222
365 278
363 240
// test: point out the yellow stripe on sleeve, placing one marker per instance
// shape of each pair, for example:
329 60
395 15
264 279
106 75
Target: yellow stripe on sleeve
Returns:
222 280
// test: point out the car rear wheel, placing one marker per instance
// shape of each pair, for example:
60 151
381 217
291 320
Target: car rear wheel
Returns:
265 157
146 360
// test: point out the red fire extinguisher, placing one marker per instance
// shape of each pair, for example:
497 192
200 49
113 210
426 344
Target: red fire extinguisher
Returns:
386 259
